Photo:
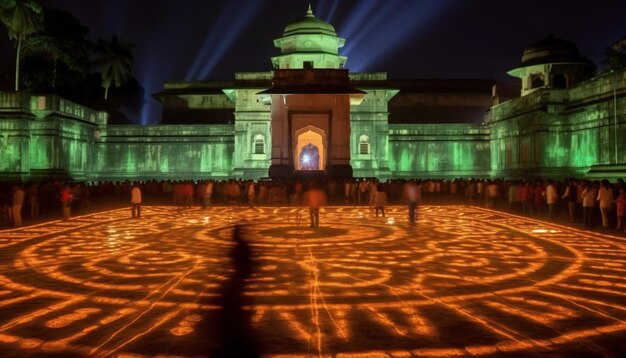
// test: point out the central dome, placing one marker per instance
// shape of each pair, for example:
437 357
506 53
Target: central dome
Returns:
309 43
309 24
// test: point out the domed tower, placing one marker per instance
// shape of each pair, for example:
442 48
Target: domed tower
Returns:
310 100
551 63
309 43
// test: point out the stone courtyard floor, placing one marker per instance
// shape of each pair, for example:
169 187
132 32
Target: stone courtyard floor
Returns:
463 281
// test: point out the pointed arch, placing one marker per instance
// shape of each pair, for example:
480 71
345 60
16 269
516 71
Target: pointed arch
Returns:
310 136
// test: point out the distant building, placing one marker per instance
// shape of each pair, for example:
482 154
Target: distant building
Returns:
309 115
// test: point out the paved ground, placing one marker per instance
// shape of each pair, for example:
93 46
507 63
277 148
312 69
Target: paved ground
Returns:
464 281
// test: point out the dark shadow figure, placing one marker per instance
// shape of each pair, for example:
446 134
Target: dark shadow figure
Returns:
234 333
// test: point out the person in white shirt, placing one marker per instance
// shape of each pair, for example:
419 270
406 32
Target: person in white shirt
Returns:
135 200
588 195
551 198
605 199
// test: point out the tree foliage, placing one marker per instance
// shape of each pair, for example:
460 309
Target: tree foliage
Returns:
22 18
58 58
62 44
114 58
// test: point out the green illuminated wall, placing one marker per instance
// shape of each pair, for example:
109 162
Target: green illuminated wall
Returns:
369 119
252 121
46 137
561 133
549 133
439 150
165 152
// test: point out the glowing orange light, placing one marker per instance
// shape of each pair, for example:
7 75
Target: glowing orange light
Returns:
117 283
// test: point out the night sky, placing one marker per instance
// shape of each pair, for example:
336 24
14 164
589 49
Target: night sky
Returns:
187 40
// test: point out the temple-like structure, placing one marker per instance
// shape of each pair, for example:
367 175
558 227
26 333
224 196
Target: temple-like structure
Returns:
309 115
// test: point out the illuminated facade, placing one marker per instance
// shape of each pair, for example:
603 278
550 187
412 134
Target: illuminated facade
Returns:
311 114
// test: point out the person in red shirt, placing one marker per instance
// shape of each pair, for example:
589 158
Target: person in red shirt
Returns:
523 193
66 201
315 198
538 198
620 202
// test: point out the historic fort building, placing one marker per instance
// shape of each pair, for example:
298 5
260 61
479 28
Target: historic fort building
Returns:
310 115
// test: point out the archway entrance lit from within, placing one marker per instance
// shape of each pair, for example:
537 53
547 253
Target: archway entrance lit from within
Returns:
309 158
310 151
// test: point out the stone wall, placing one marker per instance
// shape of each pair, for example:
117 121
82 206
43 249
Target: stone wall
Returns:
439 150
165 152
561 133
46 137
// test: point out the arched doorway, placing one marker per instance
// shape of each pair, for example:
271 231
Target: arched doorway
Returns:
309 157
310 149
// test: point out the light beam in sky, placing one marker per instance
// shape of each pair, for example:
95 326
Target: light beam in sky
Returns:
233 19
375 29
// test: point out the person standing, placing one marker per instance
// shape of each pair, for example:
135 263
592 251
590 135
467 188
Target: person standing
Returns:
588 195
66 201
523 193
18 202
620 202
251 194
208 193
363 190
135 201
470 192
412 192
33 197
605 199
297 192
315 198
572 197
551 198
380 199
492 194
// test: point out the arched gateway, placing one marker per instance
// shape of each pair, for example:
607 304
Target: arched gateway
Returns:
310 99
310 149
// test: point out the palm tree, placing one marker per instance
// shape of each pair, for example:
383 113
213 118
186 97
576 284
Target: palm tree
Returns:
22 18
115 59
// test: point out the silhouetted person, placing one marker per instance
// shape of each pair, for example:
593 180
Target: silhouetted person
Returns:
413 194
234 333
314 199
380 199
135 201
17 203
66 201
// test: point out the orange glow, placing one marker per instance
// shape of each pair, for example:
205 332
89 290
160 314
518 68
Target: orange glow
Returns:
103 285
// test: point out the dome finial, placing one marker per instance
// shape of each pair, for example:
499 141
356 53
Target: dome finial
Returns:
309 12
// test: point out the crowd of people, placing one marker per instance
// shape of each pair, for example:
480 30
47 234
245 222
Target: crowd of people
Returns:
590 203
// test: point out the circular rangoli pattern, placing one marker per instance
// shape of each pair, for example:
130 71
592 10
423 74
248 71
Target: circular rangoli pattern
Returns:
464 281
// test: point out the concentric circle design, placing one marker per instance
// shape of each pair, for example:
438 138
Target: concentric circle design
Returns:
104 284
